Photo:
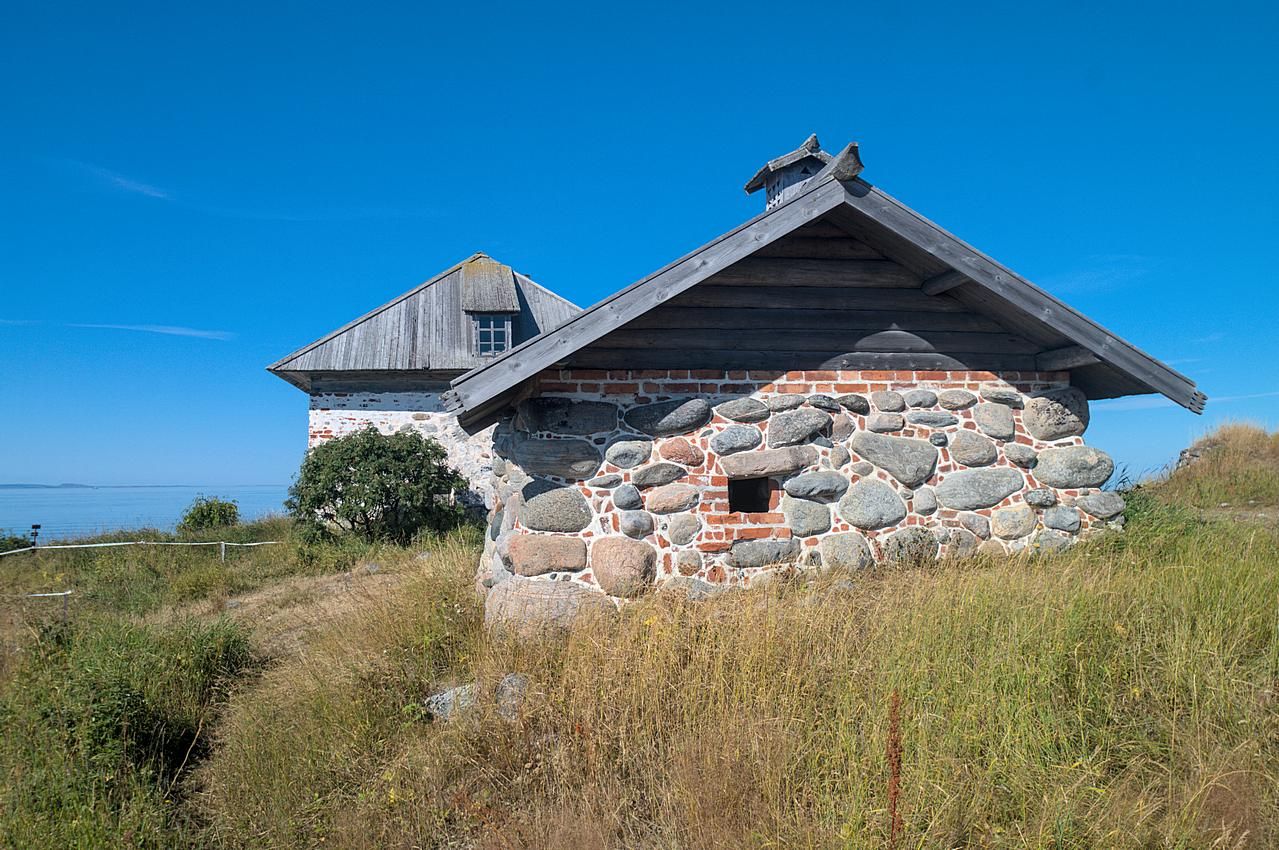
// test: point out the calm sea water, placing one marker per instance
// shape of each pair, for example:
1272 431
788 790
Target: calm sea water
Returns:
79 512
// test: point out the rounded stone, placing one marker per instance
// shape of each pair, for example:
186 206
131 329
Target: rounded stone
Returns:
1023 456
657 474
550 508
885 422
745 554
796 426
871 504
995 420
931 419
975 523
532 607
785 401
970 489
938 439
623 567
862 468
1013 522
816 485
534 554
920 398
805 518
842 428
736 438
1062 518
769 462
1103 505
824 402
888 400
683 528
972 449
669 418
683 452
1041 497
743 410
963 542
688 562
568 458
566 416
956 399
1006 397
1048 542
627 497
635 524
672 498
628 453
992 549
925 501
605 482
854 403
847 550
1054 414
1074 466
908 460
913 545
839 456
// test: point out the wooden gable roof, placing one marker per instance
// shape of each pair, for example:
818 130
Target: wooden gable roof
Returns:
927 270
427 329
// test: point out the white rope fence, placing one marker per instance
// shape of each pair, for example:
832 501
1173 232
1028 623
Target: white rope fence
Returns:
221 543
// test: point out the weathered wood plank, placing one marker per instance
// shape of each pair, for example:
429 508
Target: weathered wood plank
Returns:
813 298
1064 359
593 357
944 282
819 248
768 271
770 339
674 316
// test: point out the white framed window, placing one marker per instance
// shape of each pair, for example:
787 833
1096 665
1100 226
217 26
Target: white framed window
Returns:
492 333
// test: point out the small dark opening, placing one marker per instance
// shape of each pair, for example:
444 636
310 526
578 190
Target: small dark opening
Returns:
748 495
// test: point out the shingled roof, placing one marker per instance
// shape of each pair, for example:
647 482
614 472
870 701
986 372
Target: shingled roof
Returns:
1101 363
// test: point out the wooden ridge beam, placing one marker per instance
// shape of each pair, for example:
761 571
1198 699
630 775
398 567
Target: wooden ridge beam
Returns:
943 282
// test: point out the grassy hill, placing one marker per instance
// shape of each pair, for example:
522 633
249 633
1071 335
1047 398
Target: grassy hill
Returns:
1120 695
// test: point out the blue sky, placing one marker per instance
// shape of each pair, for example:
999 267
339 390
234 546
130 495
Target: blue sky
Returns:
188 193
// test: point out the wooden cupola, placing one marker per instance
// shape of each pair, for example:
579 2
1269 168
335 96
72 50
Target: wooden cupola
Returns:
781 178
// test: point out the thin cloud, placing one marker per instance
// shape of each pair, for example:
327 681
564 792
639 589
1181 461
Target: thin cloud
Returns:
130 185
18 322
1216 336
1102 273
124 183
168 330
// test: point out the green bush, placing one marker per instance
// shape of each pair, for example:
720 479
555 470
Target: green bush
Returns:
9 542
379 487
209 512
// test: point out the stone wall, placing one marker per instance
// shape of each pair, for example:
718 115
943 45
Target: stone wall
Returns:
616 480
336 414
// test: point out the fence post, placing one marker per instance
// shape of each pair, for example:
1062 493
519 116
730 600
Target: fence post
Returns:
222 546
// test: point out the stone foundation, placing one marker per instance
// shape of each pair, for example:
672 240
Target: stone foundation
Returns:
618 480
337 414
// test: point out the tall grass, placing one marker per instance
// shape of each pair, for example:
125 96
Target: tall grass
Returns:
1120 695
1238 466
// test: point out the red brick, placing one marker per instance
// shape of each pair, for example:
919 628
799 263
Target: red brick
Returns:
621 389
705 373
714 546
556 387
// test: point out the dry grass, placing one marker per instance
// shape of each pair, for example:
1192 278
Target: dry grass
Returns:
1121 695
1239 467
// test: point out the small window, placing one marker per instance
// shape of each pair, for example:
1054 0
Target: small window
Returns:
748 495
492 333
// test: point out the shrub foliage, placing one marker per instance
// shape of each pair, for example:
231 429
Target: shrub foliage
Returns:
210 512
379 487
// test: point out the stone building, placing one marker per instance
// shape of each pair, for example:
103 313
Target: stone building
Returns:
836 381
389 367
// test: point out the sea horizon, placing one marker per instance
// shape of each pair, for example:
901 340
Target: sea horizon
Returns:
66 512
